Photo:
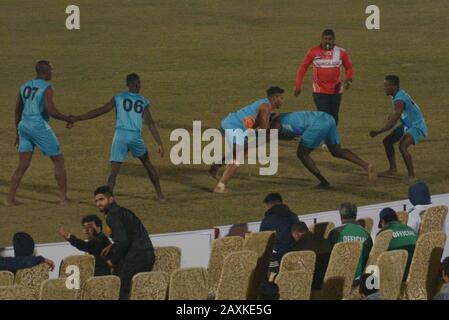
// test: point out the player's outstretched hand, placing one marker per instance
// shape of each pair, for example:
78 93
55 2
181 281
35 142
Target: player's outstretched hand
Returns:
72 121
297 92
160 150
373 133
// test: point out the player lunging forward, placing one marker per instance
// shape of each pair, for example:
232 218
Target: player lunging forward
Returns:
313 127
34 107
131 109
254 116
411 130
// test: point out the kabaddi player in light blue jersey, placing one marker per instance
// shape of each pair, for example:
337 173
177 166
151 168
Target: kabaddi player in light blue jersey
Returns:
34 107
256 115
412 129
313 127
131 110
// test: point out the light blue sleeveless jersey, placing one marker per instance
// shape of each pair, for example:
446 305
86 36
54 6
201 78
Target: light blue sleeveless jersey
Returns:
33 93
129 108
412 116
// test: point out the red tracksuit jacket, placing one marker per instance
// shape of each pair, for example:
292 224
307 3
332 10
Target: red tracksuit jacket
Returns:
326 69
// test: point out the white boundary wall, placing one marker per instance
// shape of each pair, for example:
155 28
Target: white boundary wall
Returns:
196 245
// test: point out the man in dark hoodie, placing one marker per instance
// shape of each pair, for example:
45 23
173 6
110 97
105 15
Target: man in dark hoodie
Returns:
278 218
132 249
305 240
96 242
24 257
419 197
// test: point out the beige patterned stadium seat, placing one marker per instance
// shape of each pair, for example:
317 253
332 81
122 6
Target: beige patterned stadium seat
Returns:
168 259
366 223
298 260
85 263
220 249
6 278
391 271
101 288
32 278
16 292
402 216
262 243
235 278
150 286
188 284
422 277
322 229
380 245
56 289
340 272
433 219
294 285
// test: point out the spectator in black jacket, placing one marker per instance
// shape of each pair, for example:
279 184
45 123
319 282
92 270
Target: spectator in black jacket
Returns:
278 218
305 240
96 242
24 256
132 248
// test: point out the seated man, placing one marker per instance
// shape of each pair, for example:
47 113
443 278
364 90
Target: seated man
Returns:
351 231
404 237
24 257
305 240
96 242
278 218
313 127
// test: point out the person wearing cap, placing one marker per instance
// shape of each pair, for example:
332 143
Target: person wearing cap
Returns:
24 257
351 231
404 237
235 127
278 218
305 240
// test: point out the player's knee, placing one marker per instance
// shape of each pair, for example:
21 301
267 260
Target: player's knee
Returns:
403 148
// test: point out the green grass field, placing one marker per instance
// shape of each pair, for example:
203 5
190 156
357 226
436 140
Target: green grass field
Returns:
200 60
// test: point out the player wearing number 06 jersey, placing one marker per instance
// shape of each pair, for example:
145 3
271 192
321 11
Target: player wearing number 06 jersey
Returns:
131 109
33 110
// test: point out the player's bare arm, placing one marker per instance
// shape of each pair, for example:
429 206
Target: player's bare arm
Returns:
51 109
18 117
153 129
392 120
97 112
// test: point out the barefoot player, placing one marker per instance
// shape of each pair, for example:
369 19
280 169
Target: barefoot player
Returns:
411 130
313 127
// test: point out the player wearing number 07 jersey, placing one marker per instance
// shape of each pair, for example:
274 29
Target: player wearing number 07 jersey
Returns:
33 110
131 109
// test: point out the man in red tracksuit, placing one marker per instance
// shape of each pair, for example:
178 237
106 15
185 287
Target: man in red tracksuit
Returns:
327 59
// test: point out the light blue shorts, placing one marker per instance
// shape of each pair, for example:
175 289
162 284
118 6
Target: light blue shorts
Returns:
324 128
238 135
38 134
416 133
125 141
